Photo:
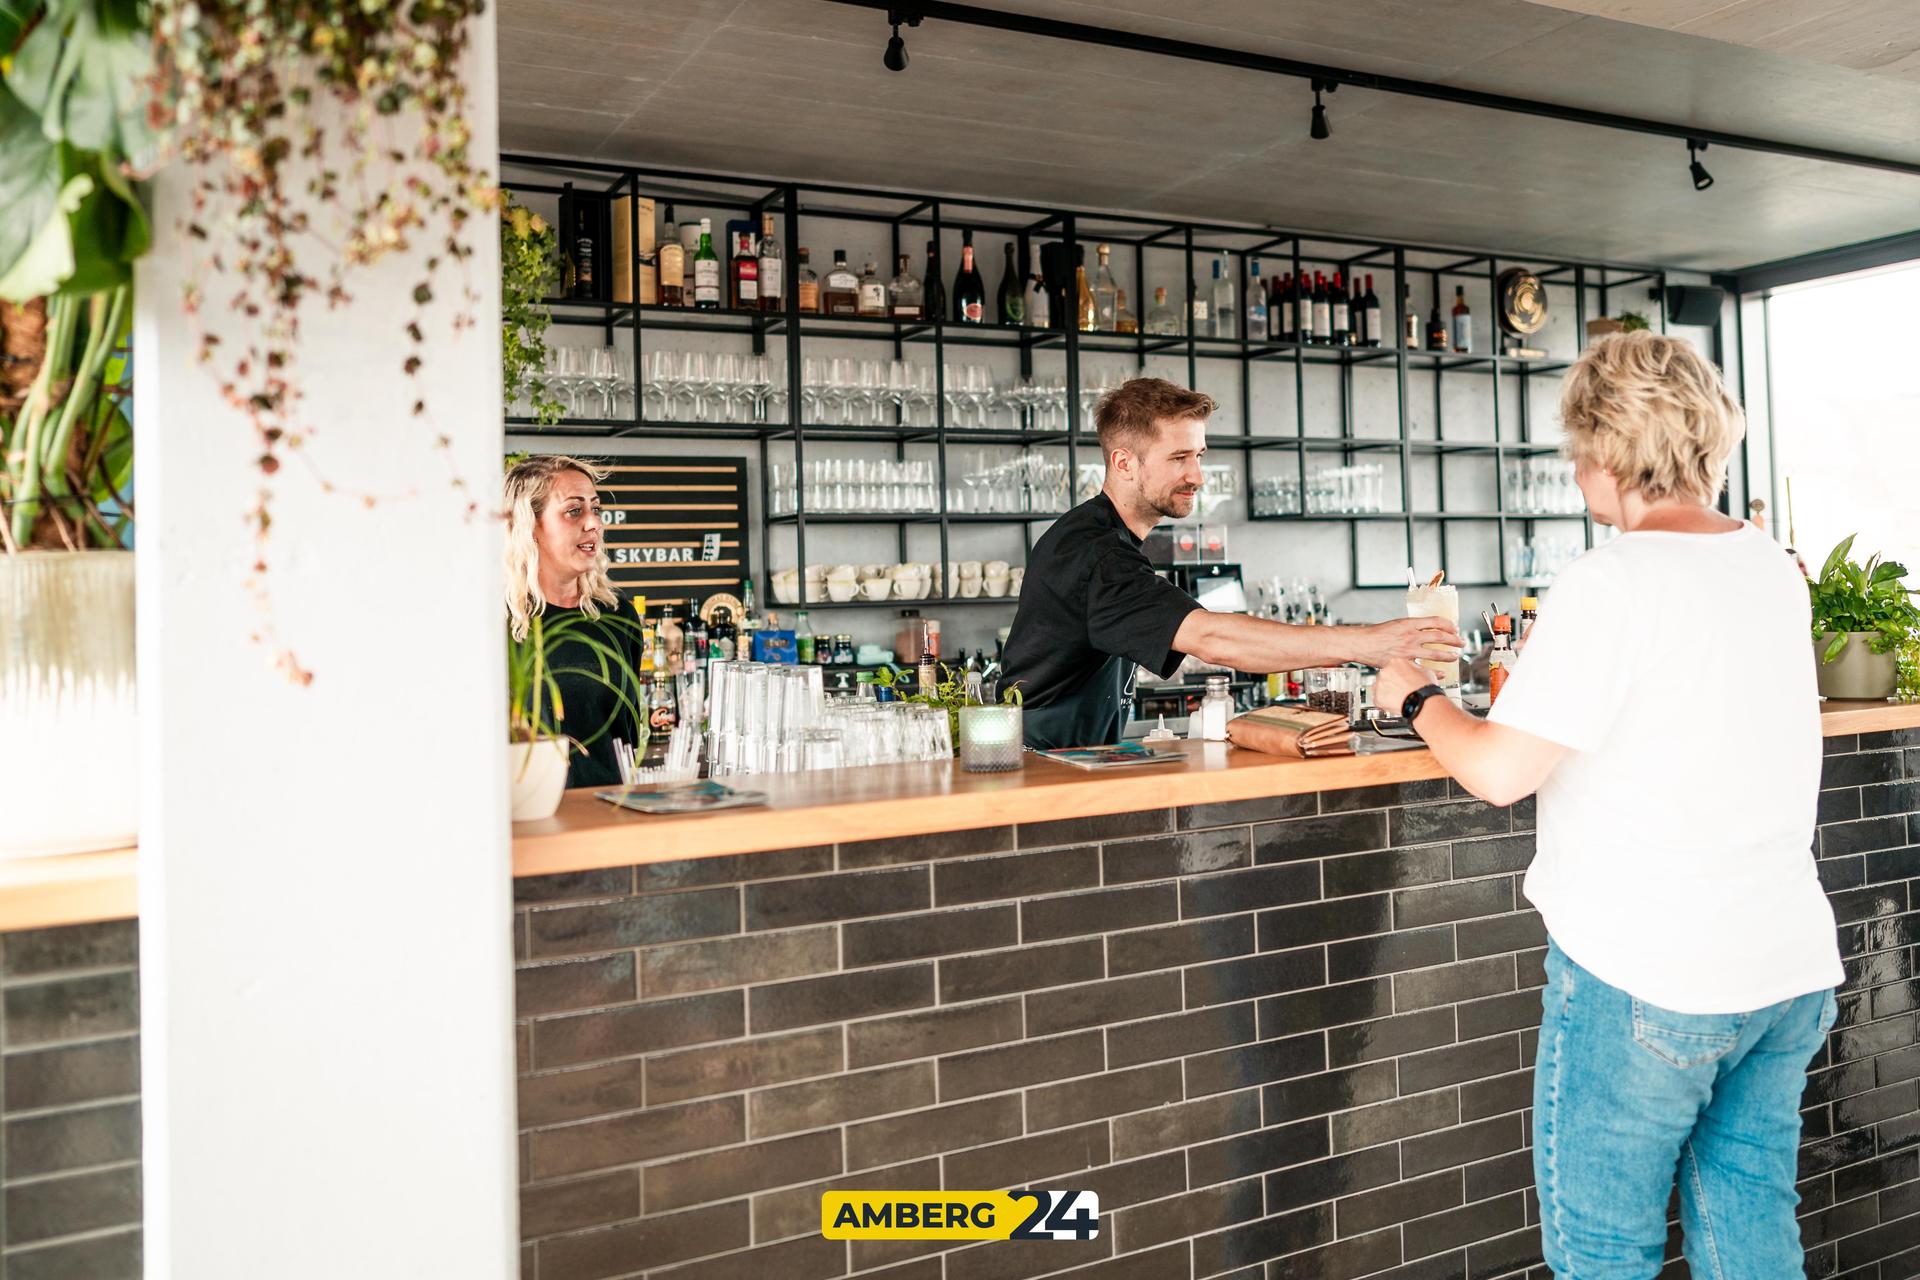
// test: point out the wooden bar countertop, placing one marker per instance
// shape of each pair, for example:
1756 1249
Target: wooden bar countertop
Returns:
850 804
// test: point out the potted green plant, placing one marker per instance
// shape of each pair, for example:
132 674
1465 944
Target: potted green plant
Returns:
74 225
538 753
950 694
1862 613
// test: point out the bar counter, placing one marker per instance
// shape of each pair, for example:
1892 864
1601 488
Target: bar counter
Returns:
1281 1016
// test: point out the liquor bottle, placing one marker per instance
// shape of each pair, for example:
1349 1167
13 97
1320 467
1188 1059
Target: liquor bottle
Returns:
934 304
1322 311
722 639
1199 308
696 644
706 270
745 276
806 285
1105 294
909 298
840 291
873 294
673 639
662 715
748 618
584 286
1039 306
646 648
672 262
1085 308
1436 328
1370 310
1341 334
1462 320
1224 309
1010 302
1124 321
1412 338
969 290
1256 304
773 294
1162 320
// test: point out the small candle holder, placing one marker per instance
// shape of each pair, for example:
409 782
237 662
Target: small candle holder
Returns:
990 739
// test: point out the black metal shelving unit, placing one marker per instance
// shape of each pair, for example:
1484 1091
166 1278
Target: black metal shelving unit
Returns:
1590 283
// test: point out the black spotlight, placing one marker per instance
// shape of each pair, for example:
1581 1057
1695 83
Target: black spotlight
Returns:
1319 132
896 57
1701 178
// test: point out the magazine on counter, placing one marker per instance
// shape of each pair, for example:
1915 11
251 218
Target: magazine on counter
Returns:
1115 755
694 797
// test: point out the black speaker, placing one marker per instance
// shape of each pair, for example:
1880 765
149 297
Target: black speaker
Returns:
1694 303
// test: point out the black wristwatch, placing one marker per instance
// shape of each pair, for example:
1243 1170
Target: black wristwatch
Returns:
1417 699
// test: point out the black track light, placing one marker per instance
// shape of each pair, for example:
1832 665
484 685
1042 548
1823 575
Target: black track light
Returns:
1319 131
896 56
1701 178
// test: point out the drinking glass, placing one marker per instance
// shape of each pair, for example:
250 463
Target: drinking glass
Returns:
697 381
1441 601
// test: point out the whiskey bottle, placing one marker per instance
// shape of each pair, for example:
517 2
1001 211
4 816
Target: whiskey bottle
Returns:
840 292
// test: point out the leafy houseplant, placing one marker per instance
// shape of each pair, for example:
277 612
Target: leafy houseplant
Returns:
538 751
1632 320
950 694
1869 603
529 257
72 119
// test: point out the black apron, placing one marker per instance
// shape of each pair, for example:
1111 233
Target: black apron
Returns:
1093 716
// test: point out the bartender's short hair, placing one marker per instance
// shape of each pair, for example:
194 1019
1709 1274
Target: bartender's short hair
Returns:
1654 411
1125 416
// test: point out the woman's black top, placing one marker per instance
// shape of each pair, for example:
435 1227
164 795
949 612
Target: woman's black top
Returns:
594 715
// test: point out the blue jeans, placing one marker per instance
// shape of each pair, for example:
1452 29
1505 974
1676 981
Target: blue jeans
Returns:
1625 1094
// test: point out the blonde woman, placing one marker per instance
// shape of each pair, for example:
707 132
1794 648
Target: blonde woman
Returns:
1665 712
557 566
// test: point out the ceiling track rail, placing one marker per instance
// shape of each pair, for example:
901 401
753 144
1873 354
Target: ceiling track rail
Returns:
1085 33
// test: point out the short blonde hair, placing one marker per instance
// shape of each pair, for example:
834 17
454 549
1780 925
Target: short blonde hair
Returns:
1653 411
528 486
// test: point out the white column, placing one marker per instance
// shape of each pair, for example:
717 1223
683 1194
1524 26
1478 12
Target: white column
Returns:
326 971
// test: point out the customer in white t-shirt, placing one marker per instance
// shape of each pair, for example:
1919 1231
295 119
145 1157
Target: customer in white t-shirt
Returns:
1665 711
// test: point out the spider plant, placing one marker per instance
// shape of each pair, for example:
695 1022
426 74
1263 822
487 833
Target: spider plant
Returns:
569 645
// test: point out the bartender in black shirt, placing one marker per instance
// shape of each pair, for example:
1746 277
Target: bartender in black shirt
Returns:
1092 608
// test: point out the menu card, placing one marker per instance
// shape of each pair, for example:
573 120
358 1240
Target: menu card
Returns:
1116 755
1291 731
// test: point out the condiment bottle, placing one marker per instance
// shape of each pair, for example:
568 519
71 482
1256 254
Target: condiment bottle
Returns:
1500 661
1216 708
1529 613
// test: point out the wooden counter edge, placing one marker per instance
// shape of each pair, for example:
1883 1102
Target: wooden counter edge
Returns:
87 887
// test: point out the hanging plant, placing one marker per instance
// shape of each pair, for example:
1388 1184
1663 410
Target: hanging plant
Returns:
262 101
529 258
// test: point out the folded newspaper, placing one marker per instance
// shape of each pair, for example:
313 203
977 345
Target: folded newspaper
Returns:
1291 731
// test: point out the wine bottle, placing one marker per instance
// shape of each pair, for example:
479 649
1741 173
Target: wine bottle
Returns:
969 291
1462 320
1340 334
1370 305
773 295
1039 306
1290 309
673 265
1011 300
1322 311
584 286
1087 313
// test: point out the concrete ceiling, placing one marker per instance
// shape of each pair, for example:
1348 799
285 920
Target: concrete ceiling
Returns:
795 89
1879 36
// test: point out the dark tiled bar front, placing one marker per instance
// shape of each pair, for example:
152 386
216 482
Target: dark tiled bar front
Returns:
1280 1037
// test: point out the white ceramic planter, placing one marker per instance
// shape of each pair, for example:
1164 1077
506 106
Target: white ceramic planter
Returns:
538 774
69 725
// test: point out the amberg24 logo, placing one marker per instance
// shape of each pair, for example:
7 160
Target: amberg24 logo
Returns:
960 1215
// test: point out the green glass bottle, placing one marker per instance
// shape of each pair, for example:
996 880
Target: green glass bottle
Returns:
706 270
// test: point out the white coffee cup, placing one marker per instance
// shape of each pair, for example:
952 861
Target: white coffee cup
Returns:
876 588
996 585
996 568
